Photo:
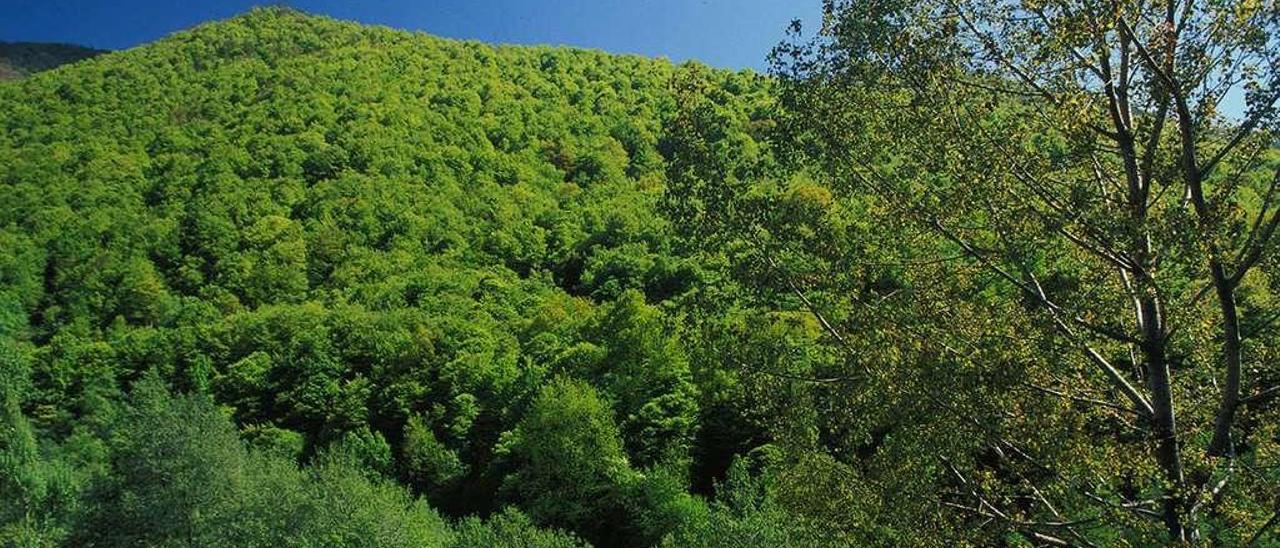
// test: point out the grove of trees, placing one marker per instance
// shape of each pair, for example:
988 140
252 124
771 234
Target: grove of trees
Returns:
958 273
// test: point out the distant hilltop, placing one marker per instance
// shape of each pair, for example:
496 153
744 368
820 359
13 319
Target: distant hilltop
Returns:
20 59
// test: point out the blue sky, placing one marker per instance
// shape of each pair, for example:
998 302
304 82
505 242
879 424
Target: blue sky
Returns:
723 33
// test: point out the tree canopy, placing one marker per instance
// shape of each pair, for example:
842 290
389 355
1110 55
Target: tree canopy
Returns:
280 267
958 273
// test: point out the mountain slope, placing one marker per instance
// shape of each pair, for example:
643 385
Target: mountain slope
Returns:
20 59
354 237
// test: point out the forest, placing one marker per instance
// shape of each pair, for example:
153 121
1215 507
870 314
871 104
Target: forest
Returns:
951 273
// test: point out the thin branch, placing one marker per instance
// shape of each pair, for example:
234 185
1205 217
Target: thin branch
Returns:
1080 399
813 309
1112 373
794 377
1259 244
1260 395
1243 132
1165 78
1253 540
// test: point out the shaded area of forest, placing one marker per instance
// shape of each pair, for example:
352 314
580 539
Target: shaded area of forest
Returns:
20 59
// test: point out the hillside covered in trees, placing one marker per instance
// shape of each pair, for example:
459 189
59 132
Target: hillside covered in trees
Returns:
430 271
282 280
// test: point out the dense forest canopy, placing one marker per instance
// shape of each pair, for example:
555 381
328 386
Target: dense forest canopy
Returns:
285 280
420 267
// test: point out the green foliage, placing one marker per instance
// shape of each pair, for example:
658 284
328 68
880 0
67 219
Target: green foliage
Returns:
365 450
181 476
39 493
429 465
571 465
272 440
746 514
268 274
509 529
660 502
178 471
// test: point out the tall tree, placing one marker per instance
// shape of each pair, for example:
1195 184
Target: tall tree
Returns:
1086 155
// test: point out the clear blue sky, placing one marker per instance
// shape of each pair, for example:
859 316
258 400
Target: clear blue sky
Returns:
724 33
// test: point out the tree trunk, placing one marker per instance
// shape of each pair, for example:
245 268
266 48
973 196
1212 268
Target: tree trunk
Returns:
1221 444
1164 422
